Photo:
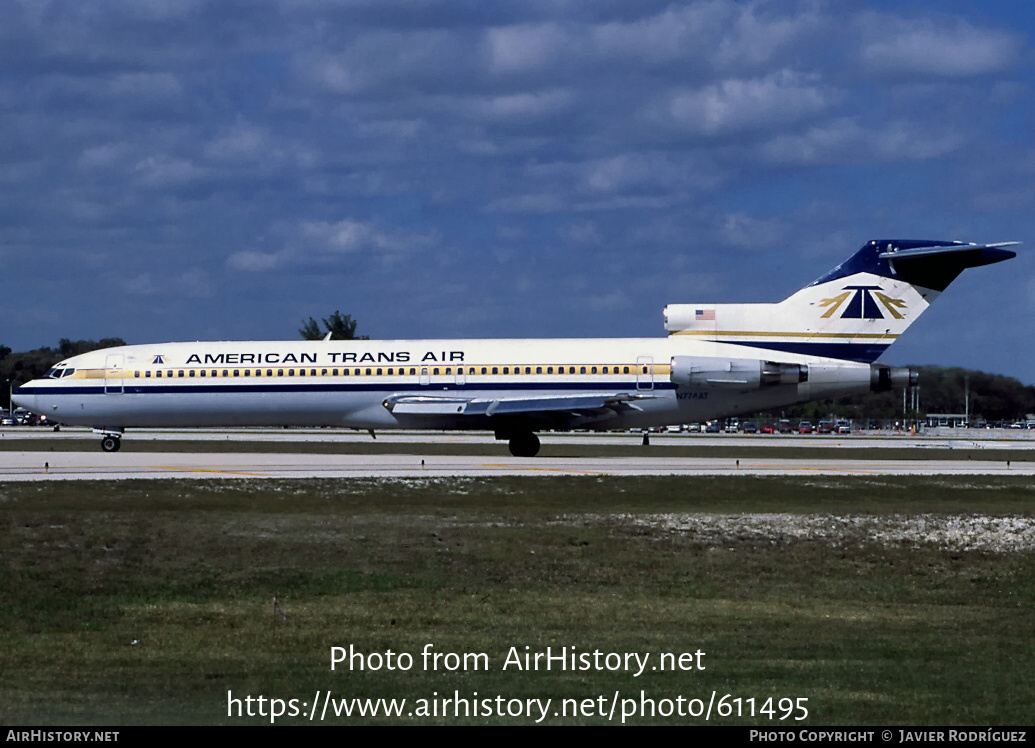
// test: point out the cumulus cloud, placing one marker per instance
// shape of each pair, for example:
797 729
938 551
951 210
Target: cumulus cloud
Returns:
952 48
182 136
326 242
526 47
737 105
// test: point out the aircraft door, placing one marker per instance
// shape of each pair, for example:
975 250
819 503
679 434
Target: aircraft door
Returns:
644 372
461 376
425 376
113 374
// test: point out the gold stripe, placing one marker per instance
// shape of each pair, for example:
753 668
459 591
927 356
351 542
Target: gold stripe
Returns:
747 334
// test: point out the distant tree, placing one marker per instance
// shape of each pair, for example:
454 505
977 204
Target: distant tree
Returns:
4 350
340 326
69 348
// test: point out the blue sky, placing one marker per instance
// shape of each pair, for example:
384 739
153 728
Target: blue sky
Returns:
184 170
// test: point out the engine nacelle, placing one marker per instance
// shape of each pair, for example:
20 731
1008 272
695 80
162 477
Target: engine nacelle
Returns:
884 378
734 373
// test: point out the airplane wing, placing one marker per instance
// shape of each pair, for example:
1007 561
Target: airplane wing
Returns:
575 405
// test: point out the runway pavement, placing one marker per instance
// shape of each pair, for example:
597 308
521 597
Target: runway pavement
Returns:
41 466
934 439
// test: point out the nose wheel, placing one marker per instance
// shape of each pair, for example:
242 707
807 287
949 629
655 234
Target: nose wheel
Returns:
111 443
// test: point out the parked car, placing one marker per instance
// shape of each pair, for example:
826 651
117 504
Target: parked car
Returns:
713 427
750 427
844 427
804 427
825 427
767 428
784 426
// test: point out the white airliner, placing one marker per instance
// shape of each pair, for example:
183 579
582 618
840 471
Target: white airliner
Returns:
718 360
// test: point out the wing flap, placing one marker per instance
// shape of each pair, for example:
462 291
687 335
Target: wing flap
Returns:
576 404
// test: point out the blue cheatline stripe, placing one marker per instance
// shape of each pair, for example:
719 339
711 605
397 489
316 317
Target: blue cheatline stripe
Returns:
863 353
387 388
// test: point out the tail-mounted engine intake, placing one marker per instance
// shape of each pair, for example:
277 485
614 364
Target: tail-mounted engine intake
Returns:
884 378
735 373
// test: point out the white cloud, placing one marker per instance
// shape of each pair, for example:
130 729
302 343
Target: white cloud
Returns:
949 48
845 140
526 47
739 105
255 262
167 171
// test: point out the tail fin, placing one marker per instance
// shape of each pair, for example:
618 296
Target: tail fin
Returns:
854 312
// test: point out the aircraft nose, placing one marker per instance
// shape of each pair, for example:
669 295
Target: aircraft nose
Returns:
22 399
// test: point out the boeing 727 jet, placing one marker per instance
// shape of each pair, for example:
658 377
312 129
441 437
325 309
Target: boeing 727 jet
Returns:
718 360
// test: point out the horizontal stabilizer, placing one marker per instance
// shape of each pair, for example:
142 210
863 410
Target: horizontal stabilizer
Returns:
996 253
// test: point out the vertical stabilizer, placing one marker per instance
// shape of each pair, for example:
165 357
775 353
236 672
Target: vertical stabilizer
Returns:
854 312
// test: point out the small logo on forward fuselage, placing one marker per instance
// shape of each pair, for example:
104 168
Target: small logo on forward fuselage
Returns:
865 303
159 359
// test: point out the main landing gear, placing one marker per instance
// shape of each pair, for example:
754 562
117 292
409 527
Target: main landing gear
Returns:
110 440
524 445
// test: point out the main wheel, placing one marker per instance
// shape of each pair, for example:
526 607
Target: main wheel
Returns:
111 443
524 445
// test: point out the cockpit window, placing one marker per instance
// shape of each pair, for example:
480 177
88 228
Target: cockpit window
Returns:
57 372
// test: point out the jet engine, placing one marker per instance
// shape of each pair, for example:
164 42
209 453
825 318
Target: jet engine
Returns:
735 373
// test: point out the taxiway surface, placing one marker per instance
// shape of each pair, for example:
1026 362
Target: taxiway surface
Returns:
37 466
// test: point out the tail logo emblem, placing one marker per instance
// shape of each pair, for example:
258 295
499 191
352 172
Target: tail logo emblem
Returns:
864 303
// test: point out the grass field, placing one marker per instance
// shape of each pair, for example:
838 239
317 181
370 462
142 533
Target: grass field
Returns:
894 600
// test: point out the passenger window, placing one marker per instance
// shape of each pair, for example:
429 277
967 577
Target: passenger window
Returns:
136 374
625 369
247 372
391 370
435 371
605 370
484 370
495 370
413 370
379 372
323 372
147 375
202 372
179 373
582 370
237 372
368 372
539 370
549 370
593 370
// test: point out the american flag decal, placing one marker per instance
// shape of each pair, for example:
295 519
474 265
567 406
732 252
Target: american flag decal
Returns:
704 314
